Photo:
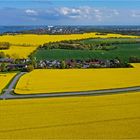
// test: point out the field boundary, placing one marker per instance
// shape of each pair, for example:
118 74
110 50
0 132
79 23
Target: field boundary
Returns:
10 94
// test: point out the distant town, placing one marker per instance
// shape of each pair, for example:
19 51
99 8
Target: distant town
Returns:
131 30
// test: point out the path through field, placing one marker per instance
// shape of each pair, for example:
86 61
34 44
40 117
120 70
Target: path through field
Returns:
8 94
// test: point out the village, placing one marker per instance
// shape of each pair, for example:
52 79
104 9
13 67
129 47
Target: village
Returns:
9 64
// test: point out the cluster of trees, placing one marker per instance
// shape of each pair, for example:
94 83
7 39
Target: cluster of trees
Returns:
71 44
64 65
4 45
17 65
122 65
134 59
89 44
79 45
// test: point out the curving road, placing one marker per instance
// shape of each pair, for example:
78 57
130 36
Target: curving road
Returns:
9 94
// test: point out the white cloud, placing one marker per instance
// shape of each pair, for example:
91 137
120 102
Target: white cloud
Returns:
78 15
68 11
64 10
88 13
79 12
31 12
116 12
98 17
84 14
135 14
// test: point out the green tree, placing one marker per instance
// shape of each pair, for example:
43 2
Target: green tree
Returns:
63 65
33 61
2 55
30 68
3 67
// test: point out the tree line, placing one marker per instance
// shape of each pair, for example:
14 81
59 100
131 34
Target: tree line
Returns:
88 44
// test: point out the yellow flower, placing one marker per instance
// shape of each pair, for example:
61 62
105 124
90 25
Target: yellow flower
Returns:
5 79
24 45
68 80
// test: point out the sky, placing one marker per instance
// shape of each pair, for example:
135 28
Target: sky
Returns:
69 12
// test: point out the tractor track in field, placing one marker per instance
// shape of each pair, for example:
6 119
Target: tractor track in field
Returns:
9 92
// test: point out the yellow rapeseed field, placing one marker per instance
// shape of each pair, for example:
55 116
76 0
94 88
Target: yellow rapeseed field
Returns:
40 39
19 51
5 79
93 117
67 80
35 40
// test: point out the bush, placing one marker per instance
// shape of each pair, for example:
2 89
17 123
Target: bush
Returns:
63 65
30 68
4 45
134 59
2 55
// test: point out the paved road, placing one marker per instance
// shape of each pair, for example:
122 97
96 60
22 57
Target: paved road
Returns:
8 94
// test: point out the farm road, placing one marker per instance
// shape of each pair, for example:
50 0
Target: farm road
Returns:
9 94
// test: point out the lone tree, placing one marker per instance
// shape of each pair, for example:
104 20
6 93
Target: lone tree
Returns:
2 55
30 68
63 65
3 67
33 61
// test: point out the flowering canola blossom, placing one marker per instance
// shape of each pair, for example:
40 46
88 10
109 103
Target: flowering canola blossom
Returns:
32 41
69 80
5 79
88 117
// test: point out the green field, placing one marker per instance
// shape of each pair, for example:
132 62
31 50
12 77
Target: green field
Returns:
123 51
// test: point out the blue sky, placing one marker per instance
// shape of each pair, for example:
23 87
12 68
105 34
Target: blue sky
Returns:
69 12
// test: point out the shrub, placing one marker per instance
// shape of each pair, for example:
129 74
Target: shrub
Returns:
63 65
30 68
2 55
4 45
